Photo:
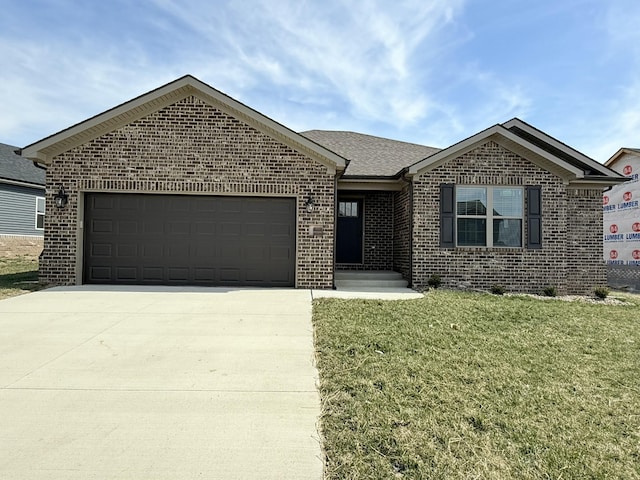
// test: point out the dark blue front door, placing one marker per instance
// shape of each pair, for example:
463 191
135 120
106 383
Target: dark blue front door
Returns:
349 231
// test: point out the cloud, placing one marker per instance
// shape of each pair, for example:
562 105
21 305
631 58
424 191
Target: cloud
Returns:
618 127
359 56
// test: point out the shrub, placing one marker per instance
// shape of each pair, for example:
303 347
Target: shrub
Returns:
434 281
497 289
601 292
550 291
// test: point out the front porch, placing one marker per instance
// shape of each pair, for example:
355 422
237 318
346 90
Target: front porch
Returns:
373 239
369 279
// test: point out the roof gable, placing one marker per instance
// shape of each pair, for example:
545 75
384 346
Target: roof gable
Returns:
620 153
17 169
557 148
47 148
533 145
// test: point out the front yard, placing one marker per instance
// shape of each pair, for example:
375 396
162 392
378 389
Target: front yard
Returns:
471 386
18 275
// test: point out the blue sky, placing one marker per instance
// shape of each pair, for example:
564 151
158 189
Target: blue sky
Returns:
426 71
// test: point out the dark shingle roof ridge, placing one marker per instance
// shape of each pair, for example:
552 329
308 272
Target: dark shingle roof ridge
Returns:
369 155
19 169
377 137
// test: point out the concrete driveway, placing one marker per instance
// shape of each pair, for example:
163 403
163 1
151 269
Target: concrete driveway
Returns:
163 383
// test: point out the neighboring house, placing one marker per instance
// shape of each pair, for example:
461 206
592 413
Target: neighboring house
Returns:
185 185
22 203
621 207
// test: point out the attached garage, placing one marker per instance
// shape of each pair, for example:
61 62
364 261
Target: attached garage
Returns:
187 186
151 239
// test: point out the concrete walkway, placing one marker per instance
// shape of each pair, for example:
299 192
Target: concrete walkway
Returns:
169 383
380 293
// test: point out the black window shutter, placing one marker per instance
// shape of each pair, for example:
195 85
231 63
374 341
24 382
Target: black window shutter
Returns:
447 216
534 217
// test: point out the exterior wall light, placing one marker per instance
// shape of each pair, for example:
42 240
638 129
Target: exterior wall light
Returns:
309 203
61 198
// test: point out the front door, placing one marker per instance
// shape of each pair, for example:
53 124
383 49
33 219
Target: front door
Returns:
349 231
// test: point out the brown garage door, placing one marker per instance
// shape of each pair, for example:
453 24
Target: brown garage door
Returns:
189 240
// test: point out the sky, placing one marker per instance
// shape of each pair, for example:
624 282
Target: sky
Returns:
431 72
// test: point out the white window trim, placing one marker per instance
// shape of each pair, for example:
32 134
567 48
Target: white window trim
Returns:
489 217
43 213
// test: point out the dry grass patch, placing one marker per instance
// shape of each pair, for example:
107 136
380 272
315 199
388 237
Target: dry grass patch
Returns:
18 275
471 386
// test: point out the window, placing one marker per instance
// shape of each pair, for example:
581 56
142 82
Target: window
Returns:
348 209
40 213
489 216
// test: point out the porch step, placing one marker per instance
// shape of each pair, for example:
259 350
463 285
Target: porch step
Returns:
369 279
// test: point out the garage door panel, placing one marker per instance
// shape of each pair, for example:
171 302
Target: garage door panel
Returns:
153 274
204 274
153 226
102 226
256 229
279 254
179 228
230 276
204 240
128 227
126 273
206 228
231 229
101 249
257 253
231 204
178 274
281 230
178 203
102 203
101 274
152 250
205 204
127 250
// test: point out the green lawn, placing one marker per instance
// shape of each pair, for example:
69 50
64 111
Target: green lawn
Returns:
472 386
18 275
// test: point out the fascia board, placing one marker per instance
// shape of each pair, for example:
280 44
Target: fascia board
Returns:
20 183
614 158
551 163
453 151
112 119
44 150
515 122
376 185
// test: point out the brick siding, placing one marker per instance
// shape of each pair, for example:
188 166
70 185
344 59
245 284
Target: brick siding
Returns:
586 267
189 147
378 232
570 238
402 232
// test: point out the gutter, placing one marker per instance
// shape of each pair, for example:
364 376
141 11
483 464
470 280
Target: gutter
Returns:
20 183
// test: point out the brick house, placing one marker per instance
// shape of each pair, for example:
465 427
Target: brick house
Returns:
185 185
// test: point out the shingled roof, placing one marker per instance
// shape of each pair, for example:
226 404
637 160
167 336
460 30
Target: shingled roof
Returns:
369 155
15 168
